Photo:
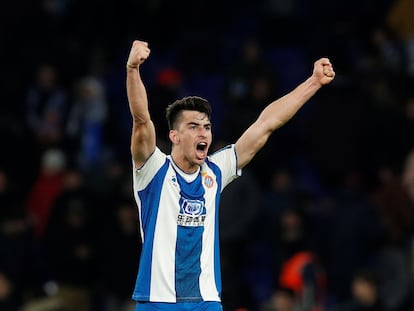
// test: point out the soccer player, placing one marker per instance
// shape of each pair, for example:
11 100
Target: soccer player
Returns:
178 194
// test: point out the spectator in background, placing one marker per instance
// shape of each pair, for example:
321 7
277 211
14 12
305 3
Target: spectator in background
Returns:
86 123
298 266
397 220
349 233
249 87
392 204
46 188
119 247
282 299
70 243
388 52
365 294
280 194
39 203
396 278
400 20
239 209
251 84
46 107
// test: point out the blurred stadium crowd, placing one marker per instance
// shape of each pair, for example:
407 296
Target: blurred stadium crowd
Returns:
323 218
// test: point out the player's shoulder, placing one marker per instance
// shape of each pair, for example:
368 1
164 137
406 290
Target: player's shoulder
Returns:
222 149
156 159
224 156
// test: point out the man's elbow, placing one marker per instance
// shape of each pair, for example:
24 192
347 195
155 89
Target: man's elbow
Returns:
268 124
140 119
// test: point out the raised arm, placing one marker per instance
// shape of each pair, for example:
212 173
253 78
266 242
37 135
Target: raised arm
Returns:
280 111
143 132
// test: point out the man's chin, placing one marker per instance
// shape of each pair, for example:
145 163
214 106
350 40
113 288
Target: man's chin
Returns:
201 156
200 159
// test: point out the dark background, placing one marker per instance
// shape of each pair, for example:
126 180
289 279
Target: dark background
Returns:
339 153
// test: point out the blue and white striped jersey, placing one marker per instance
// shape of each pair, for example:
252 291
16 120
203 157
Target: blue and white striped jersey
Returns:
178 213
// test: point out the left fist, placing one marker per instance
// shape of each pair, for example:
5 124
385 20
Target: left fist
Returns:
323 70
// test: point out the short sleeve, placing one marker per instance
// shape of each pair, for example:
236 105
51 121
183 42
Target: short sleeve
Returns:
226 159
143 175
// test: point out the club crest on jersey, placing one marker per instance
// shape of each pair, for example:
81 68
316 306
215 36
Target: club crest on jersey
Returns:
192 213
208 181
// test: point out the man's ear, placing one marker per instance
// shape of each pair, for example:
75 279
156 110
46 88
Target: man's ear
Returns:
173 135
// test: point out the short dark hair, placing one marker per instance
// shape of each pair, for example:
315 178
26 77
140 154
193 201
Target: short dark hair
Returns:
195 103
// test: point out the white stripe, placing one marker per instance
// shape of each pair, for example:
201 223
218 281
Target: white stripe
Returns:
207 279
165 238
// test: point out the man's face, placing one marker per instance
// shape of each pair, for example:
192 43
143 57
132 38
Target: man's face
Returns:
193 137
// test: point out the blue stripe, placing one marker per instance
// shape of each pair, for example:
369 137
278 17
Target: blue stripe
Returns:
150 199
187 269
189 245
217 272
183 306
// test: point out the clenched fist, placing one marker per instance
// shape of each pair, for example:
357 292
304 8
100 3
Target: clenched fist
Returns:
323 71
138 54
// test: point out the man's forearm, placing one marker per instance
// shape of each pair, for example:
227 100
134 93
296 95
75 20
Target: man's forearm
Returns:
283 109
137 95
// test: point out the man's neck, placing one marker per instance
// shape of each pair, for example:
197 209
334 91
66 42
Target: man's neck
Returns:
184 165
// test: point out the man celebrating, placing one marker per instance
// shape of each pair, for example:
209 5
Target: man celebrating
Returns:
178 195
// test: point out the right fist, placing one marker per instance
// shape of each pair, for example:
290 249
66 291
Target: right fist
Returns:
138 54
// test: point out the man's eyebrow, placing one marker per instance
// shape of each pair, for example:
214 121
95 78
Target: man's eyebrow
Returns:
198 123
193 123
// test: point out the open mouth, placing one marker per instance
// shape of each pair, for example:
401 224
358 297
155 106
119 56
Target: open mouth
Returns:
201 146
201 150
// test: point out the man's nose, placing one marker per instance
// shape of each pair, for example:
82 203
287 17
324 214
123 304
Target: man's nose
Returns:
202 131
